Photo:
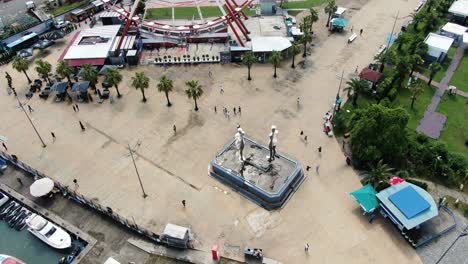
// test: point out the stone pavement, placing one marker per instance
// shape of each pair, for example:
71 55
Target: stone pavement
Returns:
432 122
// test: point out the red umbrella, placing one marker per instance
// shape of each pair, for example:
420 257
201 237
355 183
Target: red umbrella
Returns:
395 180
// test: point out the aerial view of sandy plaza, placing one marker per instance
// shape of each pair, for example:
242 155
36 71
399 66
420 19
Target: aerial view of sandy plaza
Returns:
233 131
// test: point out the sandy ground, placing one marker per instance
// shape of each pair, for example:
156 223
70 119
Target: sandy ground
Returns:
174 167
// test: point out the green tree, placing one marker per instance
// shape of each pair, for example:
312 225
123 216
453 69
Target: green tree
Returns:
354 87
140 81
330 9
276 59
434 68
43 69
166 85
22 65
64 69
377 174
249 59
295 49
314 17
306 38
416 91
194 91
89 73
402 69
113 78
431 21
415 60
388 57
378 133
402 40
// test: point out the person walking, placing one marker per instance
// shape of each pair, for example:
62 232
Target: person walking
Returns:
307 168
53 136
234 110
183 203
4 146
298 101
19 181
317 169
302 132
175 129
74 108
305 139
306 247
77 107
30 109
216 110
75 182
239 110
82 126
360 31
320 150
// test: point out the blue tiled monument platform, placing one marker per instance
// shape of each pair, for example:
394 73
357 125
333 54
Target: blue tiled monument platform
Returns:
270 185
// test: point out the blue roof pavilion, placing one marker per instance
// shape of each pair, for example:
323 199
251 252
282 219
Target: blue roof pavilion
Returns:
407 205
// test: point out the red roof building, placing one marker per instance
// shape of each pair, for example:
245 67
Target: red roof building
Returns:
371 75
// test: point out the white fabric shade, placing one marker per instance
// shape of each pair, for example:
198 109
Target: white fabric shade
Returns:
41 187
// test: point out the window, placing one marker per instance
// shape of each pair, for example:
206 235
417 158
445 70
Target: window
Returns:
51 232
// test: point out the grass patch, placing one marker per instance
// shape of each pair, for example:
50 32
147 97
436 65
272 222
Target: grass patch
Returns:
455 131
294 12
302 4
462 207
187 12
460 77
64 8
445 64
403 99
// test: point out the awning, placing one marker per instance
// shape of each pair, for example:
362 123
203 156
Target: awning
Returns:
22 39
339 22
79 62
104 69
41 187
366 197
59 87
80 86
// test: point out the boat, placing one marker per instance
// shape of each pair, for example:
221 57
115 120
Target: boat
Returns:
3 199
5 259
48 232
19 216
22 223
7 209
13 212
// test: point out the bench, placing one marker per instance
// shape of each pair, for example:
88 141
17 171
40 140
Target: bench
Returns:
352 38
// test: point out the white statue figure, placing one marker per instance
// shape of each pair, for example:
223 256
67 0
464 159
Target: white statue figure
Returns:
273 139
240 142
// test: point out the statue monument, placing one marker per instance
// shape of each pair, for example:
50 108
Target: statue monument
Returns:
273 139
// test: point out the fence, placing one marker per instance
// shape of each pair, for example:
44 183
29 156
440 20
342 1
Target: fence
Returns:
107 211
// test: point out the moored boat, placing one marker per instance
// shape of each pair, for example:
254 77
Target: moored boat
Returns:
48 232
5 259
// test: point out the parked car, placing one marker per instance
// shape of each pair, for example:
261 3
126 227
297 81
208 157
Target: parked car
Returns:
61 24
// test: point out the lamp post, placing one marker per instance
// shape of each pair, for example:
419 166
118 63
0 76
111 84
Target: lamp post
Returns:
338 94
389 41
136 170
27 116
462 234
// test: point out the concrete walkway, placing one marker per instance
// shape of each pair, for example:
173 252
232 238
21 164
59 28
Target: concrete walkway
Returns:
432 122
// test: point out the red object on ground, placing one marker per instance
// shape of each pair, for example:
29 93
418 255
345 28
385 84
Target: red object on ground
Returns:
79 62
395 180
214 251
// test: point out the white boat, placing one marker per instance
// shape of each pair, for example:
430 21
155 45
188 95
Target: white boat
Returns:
5 259
3 199
48 232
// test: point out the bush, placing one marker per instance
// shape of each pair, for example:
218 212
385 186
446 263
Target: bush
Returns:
392 94
418 183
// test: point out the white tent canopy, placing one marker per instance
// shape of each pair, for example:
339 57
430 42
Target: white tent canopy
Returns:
269 44
41 187
437 41
459 8
454 29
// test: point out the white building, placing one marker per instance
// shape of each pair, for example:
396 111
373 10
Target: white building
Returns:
438 46
459 9
454 31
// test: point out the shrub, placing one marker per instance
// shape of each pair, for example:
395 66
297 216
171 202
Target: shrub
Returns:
418 183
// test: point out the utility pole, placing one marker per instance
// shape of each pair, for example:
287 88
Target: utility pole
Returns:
338 94
136 170
389 41
462 234
27 116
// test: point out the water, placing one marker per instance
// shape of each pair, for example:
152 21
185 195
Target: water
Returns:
26 247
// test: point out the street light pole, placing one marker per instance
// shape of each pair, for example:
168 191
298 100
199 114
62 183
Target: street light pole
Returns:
27 116
389 41
338 94
462 234
136 170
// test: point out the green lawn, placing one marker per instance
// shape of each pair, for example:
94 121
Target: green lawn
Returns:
440 75
64 8
302 4
404 100
460 77
455 131
294 12
187 12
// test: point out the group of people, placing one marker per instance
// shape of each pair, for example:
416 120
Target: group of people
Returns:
227 112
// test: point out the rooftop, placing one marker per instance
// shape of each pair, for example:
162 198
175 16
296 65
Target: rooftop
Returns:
454 28
408 203
459 8
269 44
371 75
438 41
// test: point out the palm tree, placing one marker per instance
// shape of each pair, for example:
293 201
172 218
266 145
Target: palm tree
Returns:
377 174
415 60
402 40
355 87
90 74
22 65
113 78
295 49
64 69
314 17
306 38
389 57
276 59
433 69
165 85
43 68
416 91
248 60
194 91
140 81
430 21
330 9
